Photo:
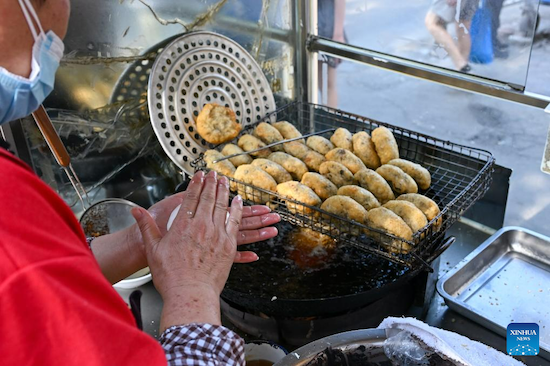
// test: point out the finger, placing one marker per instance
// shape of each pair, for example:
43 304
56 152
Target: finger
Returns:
235 216
191 199
255 210
207 201
245 257
257 222
253 236
222 199
147 226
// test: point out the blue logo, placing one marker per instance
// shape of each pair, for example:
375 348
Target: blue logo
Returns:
522 339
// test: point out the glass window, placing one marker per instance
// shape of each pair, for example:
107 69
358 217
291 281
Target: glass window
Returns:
513 133
488 38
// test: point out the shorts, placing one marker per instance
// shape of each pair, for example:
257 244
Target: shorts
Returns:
447 13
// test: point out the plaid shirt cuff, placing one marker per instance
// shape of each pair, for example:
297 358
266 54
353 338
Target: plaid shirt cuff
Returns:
202 344
89 242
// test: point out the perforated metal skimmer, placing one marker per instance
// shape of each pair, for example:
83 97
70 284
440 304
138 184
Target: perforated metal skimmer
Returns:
196 69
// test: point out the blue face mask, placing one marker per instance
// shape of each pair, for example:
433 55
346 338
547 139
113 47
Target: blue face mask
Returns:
21 96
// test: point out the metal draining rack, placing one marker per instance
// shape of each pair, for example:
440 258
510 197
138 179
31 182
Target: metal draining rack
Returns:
460 176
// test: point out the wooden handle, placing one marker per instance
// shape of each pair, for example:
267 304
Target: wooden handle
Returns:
52 138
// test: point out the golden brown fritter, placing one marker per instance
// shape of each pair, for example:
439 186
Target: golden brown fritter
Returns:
425 204
323 187
313 160
420 174
272 168
294 166
409 213
223 167
345 207
301 193
363 147
374 183
296 149
337 173
288 131
217 124
249 143
385 144
361 195
346 158
342 138
269 135
254 176
385 220
231 149
398 180
319 144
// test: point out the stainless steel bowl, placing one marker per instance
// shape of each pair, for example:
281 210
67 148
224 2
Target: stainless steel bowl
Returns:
109 216
371 339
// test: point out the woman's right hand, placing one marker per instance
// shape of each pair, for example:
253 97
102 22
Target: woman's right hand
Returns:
191 263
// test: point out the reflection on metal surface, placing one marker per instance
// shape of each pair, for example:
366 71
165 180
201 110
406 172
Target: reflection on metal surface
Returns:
420 70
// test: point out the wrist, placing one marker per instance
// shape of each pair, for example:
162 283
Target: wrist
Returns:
181 287
119 254
190 303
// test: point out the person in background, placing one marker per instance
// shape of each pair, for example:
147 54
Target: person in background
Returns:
330 19
500 50
57 305
443 12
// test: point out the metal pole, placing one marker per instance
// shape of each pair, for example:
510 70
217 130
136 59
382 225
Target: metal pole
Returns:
420 70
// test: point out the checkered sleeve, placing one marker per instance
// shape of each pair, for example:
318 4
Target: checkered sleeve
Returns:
199 344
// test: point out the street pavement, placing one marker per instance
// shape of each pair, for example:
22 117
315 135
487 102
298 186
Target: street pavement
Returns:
513 133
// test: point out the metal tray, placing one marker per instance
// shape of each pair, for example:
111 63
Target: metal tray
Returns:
505 280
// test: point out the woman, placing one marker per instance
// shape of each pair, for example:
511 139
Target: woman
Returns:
443 12
57 306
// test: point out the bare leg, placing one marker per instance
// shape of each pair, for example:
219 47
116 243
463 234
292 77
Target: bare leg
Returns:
441 36
332 88
464 39
320 80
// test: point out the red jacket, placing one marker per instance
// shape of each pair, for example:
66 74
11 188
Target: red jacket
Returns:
56 308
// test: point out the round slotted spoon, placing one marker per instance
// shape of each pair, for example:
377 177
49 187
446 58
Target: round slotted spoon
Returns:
195 69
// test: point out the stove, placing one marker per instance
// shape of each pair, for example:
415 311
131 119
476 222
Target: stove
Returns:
412 299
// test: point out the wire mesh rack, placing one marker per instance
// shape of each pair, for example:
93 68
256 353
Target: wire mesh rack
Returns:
460 176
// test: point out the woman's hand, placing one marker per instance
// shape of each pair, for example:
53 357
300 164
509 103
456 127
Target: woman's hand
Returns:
252 229
123 253
191 263
255 226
